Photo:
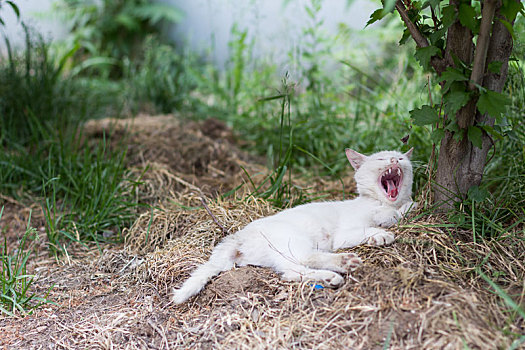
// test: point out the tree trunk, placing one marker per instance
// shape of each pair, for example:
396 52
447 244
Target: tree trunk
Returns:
460 163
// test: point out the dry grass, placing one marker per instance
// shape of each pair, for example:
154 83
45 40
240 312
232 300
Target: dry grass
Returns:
423 292
168 154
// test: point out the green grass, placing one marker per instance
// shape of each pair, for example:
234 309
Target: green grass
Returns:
82 185
160 82
31 88
362 104
85 191
16 296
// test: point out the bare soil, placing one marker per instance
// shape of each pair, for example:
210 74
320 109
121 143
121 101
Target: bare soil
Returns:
423 292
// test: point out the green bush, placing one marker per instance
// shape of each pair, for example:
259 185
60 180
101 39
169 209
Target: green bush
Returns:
161 80
105 34
31 86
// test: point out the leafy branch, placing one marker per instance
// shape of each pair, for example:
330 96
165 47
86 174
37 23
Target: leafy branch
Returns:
468 47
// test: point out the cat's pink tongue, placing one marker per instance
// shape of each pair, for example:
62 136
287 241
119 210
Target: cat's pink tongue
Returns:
392 189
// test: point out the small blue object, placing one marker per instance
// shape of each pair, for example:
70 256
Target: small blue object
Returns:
316 286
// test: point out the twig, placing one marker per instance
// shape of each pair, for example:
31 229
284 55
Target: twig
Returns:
11 200
438 63
434 18
161 333
224 230
480 56
420 40
493 145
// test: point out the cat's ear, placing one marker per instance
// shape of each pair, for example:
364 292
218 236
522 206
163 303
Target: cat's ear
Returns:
355 158
408 154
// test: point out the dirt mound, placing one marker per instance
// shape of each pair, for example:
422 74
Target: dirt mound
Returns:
169 154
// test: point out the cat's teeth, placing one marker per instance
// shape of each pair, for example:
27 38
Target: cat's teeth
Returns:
399 172
389 170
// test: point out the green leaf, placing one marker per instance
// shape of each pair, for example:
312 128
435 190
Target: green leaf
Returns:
469 18
451 75
431 3
457 218
437 135
448 15
424 116
495 66
129 22
475 134
492 131
492 103
388 6
454 100
437 35
510 9
375 16
15 8
453 127
156 12
424 54
458 62
477 194
404 38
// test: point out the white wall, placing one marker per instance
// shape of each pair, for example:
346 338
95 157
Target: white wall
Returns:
276 27
32 12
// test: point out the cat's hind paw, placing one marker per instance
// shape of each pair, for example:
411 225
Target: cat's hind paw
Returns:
380 237
350 261
329 279
334 280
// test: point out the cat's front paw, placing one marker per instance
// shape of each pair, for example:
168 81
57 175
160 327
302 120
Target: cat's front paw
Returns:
380 237
407 208
386 218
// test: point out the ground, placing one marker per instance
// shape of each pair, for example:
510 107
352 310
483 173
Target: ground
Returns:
422 292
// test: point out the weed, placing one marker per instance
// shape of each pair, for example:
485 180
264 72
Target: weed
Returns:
361 106
85 186
15 282
107 33
30 87
515 309
161 79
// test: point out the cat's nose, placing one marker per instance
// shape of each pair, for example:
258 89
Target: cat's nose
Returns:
394 160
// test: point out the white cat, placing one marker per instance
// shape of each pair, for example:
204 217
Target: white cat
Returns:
299 242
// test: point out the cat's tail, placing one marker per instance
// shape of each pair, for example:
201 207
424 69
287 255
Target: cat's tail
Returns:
222 259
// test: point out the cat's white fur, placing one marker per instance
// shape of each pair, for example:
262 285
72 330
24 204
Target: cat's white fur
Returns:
299 242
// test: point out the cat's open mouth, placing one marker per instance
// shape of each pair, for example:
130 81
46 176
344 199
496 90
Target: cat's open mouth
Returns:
390 182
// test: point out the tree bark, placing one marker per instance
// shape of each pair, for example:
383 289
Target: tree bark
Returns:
454 158
460 163
500 49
